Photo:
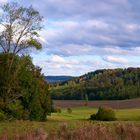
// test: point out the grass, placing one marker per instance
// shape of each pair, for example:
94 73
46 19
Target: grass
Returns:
128 114
76 119
84 113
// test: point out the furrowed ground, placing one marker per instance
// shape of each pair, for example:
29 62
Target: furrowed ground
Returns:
120 104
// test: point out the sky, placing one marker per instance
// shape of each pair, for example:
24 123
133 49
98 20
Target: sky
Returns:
80 36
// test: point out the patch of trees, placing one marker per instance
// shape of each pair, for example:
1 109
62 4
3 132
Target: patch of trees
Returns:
24 94
111 84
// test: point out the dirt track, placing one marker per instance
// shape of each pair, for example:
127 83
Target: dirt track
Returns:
133 103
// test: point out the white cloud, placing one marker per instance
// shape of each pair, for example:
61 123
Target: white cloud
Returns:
132 27
65 24
74 28
3 1
95 24
114 59
58 65
58 59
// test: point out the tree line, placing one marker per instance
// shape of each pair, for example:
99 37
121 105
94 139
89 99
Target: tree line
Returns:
106 84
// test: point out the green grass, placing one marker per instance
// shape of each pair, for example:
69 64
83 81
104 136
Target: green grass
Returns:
84 113
77 118
81 114
128 114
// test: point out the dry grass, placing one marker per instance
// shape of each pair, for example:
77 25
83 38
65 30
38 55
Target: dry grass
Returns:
38 134
119 131
99 132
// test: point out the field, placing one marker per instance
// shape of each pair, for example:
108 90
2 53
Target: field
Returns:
132 103
76 122
83 114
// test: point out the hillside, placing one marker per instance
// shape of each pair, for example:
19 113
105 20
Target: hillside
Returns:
58 78
106 84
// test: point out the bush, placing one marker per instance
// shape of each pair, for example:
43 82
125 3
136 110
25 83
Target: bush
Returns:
15 110
25 115
104 114
54 109
35 110
69 110
2 116
93 117
58 110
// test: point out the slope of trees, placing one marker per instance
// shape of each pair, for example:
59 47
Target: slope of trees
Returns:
58 78
100 85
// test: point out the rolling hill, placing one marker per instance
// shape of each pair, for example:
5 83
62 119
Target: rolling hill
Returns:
106 84
58 78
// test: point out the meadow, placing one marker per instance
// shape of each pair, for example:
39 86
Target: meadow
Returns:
79 118
83 114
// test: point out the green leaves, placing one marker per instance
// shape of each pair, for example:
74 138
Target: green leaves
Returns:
34 43
110 84
23 92
21 27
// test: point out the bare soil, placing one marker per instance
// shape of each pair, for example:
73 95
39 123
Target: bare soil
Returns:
132 103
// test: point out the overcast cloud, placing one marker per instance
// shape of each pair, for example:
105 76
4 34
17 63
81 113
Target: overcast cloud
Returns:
85 35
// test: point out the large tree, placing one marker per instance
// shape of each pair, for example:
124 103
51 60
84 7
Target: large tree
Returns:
19 28
22 86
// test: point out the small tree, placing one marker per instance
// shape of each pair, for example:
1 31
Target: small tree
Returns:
58 110
86 99
69 110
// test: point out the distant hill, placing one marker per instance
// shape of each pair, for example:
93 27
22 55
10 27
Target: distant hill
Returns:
106 84
52 79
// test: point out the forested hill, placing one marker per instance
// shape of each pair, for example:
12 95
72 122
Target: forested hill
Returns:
58 78
100 85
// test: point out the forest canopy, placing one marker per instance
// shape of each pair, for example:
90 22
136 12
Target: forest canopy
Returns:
112 84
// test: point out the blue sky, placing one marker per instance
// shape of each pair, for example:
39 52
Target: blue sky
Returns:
84 35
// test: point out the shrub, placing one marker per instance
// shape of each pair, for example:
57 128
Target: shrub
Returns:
104 114
25 115
2 116
58 110
15 110
35 110
93 117
69 110
54 109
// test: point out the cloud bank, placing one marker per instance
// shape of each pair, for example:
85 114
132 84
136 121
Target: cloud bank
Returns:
80 33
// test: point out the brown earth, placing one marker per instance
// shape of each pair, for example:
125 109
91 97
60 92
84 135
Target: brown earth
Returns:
132 103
